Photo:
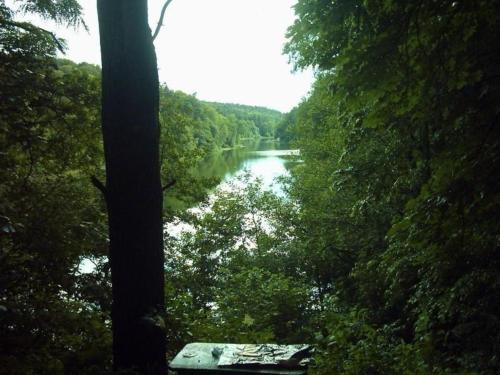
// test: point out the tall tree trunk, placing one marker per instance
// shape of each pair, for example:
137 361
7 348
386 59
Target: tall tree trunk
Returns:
133 191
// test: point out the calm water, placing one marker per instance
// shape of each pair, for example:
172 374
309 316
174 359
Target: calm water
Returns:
263 159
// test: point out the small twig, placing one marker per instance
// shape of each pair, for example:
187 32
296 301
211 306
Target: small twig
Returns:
160 22
169 185
99 185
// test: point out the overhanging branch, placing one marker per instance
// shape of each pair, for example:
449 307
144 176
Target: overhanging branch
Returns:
35 29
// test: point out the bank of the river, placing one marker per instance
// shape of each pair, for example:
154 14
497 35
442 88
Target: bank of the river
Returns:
246 142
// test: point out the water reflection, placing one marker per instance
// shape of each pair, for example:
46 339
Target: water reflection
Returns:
264 159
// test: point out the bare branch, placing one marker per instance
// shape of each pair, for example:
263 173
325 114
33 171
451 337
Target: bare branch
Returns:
169 185
160 22
99 185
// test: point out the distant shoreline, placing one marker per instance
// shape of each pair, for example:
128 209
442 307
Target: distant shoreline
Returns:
239 145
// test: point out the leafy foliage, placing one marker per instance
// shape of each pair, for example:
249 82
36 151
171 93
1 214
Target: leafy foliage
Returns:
384 252
194 132
400 146
232 268
54 307
51 215
258 120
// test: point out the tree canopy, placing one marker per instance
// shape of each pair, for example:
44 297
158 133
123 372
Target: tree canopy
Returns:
400 140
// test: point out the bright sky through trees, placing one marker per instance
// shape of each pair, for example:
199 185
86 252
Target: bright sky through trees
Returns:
222 50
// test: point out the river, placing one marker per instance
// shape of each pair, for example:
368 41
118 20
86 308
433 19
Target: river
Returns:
265 159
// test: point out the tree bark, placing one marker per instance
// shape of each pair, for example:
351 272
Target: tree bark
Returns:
130 99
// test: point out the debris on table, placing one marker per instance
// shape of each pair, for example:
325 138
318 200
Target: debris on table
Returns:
265 355
263 359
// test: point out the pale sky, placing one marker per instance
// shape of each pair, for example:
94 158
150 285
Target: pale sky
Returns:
222 50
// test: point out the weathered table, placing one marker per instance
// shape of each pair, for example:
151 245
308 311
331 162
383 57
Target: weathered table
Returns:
241 359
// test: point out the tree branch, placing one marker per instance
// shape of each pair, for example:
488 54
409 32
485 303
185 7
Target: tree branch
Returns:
99 185
169 185
34 29
160 22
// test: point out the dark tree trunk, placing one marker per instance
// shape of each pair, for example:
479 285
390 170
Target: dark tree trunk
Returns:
133 191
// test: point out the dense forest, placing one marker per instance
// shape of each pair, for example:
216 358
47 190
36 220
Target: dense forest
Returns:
192 130
384 253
